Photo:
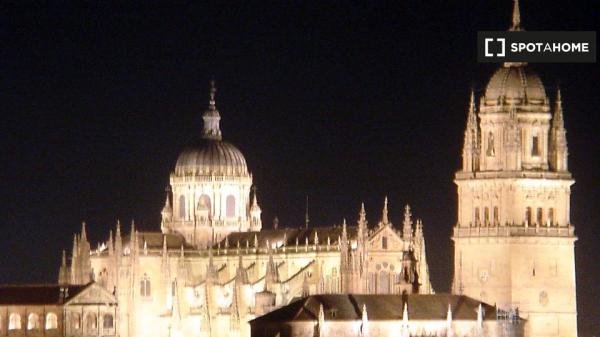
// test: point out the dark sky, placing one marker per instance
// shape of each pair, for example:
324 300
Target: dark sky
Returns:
342 103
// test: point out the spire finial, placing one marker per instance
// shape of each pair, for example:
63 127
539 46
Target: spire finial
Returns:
480 316
211 117
472 117
212 104
472 101
254 200
364 328
83 233
321 322
558 119
407 223
516 17
306 219
384 212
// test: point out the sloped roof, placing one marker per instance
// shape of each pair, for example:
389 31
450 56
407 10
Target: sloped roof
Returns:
277 235
38 293
379 307
154 240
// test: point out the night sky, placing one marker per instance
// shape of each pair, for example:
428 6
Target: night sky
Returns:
341 103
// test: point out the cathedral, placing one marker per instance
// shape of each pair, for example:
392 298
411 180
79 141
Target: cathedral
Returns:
211 267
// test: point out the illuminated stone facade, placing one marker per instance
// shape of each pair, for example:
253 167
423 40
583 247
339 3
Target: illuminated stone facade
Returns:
514 241
212 267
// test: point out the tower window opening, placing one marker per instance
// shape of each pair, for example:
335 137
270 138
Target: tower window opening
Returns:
76 321
145 286
51 321
477 219
535 146
107 321
230 206
204 204
540 216
528 215
551 216
33 322
91 322
14 322
182 207
490 151
384 242
496 215
486 215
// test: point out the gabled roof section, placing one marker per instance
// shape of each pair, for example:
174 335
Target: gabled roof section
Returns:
395 241
379 308
92 294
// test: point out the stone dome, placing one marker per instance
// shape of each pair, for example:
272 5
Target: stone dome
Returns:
211 157
515 83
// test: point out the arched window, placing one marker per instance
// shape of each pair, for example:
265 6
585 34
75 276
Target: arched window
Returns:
486 215
230 206
204 202
496 215
91 321
107 321
535 146
76 321
384 282
33 322
103 278
490 151
477 219
384 242
145 286
551 216
182 206
14 322
51 321
373 283
540 216
528 215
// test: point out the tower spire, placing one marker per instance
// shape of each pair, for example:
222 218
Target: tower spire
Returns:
63 272
212 117
516 17
471 139
558 120
407 224
558 138
472 118
384 213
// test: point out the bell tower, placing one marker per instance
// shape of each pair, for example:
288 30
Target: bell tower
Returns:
513 240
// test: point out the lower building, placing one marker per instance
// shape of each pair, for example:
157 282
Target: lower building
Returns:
387 316
57 310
